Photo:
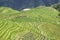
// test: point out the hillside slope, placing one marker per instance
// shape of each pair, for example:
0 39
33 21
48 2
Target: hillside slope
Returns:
21 4
35 24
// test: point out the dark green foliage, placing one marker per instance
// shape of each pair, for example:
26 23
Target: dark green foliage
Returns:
57 6
58 14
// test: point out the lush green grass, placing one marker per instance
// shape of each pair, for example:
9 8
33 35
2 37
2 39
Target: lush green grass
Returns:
35 24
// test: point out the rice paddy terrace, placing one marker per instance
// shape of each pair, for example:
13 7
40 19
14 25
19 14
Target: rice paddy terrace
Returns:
36 24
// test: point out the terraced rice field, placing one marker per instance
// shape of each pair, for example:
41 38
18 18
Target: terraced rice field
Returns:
36 24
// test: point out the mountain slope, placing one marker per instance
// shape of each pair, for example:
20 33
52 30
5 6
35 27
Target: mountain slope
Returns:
21 4
35 24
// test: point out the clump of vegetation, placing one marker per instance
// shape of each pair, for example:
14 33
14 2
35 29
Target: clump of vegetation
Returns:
56 6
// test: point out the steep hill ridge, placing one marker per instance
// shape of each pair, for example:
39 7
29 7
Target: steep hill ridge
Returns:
21 4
